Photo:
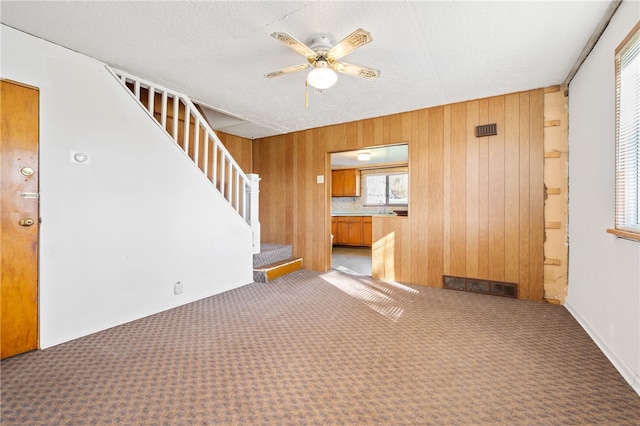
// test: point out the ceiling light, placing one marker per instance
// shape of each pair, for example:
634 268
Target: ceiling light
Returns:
364 156
322 77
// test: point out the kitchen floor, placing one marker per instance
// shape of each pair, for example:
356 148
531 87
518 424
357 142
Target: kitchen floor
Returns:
352 259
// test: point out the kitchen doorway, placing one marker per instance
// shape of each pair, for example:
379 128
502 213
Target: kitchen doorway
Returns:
364 183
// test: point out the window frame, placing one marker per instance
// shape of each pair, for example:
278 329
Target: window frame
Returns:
621 227
386 171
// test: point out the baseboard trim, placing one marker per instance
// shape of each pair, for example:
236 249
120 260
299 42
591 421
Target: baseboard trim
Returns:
623 368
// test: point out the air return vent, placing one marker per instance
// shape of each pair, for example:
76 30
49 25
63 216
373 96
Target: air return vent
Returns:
486 130
495 288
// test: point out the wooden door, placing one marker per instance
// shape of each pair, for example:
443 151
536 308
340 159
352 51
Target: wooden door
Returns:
20 223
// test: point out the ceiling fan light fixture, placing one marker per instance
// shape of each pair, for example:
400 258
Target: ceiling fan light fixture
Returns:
364 156
322 77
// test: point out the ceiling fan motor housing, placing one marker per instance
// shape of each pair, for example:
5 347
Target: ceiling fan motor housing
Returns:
321 46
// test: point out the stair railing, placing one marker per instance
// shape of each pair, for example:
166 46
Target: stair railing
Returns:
185 124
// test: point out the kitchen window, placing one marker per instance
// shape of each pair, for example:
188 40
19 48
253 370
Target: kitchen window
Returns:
388 187
627 184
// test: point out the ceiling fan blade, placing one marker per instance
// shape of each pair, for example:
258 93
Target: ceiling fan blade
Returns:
356 39
287 70
356 70
296 45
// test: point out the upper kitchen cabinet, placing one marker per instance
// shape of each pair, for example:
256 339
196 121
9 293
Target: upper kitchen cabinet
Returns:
345 183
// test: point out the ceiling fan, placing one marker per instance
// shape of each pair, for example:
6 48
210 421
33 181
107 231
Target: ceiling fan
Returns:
323 57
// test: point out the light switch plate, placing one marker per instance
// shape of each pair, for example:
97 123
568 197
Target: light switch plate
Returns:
320 179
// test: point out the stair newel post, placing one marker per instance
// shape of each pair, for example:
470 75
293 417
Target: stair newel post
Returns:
253 209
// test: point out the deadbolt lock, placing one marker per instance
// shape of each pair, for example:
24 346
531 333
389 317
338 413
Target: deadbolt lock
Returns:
27 171
27 221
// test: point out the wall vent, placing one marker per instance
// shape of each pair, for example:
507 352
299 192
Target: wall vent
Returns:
494 288
486 130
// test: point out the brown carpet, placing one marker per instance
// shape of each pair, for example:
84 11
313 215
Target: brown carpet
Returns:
326 349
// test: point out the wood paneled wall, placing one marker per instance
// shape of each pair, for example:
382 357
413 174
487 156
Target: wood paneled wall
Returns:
273 158
241 149
476 204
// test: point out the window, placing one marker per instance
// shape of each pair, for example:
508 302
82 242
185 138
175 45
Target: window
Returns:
386 186
627 186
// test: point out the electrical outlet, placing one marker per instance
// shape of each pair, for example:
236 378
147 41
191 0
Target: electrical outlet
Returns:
177 288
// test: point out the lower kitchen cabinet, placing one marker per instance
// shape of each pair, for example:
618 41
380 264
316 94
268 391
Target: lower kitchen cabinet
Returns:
334 229
351 230
367 231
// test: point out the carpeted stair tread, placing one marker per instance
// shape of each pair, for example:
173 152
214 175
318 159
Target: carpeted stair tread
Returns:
277 269
271 253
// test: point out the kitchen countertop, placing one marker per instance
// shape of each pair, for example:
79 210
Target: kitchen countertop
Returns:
362 214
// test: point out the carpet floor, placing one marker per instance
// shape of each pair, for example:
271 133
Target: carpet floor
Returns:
326 349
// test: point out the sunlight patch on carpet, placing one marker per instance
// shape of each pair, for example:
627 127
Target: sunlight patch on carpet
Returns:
364 291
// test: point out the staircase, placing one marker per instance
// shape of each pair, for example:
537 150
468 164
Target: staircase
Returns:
185 124
273 261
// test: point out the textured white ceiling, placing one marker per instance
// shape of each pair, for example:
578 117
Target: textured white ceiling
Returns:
430 52
393 154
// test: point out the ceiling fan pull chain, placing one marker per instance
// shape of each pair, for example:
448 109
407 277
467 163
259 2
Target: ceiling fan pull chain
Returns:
306 94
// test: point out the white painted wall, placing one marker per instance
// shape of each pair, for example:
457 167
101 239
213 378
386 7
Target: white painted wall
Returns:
116 233
604 271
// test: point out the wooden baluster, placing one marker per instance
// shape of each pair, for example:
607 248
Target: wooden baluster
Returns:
222 175
136 89
196 142
205 153
163 118
176 105
151 99
187 125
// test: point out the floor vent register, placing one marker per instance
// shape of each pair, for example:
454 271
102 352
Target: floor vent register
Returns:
472 285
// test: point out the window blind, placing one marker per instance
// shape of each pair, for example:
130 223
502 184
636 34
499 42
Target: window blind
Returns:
627 184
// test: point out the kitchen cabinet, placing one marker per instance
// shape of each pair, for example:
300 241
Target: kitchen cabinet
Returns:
334 229
367 231
345 183
351 230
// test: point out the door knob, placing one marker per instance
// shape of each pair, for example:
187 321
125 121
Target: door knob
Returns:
27 221
27 171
